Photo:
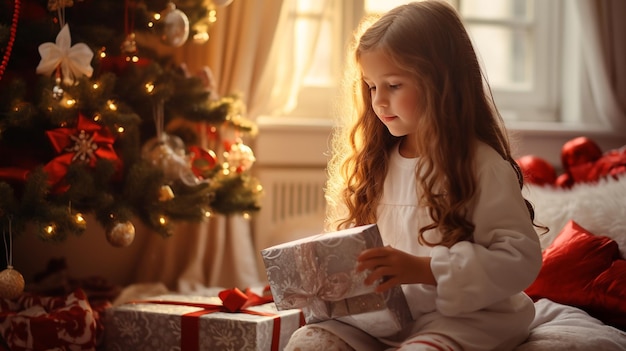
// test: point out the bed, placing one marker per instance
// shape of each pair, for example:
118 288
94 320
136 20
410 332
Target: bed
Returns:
580 292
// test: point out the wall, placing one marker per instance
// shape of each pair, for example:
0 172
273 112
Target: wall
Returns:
87 255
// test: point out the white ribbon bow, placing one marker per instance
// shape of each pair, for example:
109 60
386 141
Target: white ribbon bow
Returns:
74 60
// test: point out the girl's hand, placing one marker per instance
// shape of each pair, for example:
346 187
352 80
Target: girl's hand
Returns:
394 267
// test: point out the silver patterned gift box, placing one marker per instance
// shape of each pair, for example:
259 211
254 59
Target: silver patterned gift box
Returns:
157 325
318 275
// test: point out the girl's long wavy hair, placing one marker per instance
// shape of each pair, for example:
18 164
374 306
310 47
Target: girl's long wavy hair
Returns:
429 42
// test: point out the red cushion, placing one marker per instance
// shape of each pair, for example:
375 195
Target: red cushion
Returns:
584 270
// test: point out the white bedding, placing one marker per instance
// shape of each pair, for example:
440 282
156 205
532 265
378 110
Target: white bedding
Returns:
560 327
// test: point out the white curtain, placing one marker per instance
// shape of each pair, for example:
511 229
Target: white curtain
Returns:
249 52
602 28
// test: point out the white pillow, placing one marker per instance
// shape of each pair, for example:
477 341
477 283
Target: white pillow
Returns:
598 207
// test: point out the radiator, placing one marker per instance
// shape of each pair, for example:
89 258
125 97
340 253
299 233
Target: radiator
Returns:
292 205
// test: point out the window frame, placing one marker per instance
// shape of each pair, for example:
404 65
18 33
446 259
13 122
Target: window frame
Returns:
538 104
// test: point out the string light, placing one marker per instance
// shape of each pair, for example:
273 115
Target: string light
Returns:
79 218
162 220
149 87
49 230
111 105
68 102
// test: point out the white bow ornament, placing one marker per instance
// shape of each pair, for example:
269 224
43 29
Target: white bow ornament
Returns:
74 60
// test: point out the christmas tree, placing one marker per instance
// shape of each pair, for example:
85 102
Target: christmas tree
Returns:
94 119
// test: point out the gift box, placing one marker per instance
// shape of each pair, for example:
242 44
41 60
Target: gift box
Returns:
191 323
318 275
38 322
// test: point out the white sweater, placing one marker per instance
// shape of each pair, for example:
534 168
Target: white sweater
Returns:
479 299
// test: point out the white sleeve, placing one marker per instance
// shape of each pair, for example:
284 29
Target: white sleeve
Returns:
505 256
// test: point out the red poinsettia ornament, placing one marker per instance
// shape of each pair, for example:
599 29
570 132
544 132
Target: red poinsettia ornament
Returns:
85 143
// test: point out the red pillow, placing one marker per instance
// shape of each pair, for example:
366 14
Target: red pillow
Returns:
586 271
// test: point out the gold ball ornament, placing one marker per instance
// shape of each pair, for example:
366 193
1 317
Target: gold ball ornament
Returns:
121 234
11 283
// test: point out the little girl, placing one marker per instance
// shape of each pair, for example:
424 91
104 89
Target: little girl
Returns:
426 157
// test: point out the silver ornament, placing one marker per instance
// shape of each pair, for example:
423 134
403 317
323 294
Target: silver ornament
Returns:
175 26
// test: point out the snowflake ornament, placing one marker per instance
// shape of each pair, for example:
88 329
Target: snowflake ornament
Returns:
84 147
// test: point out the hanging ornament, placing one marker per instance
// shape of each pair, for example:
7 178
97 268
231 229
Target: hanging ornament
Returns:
86 143
203 161
121 234
129 45
11 281
57 90
74 61
175 26
167 153
239 157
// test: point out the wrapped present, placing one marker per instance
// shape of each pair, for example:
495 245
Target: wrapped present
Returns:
231 321
318 275
36 322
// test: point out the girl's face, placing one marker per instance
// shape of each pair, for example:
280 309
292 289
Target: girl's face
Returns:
393 92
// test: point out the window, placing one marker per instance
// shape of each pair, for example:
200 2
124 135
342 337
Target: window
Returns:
516 41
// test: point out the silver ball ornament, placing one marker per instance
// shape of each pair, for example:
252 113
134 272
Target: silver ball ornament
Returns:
175 26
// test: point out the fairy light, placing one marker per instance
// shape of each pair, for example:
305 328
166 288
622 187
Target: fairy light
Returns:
111 105
207 214
162 220
97 117
225 168
149 87
69 102
246 215
212 16
120 129
49 230
95 86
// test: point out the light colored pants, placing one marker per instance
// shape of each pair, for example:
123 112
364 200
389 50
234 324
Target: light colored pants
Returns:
311 338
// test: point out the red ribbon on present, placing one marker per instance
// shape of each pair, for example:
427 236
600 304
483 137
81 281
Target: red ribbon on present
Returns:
233 301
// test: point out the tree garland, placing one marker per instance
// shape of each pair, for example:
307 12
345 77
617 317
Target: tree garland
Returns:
13 31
